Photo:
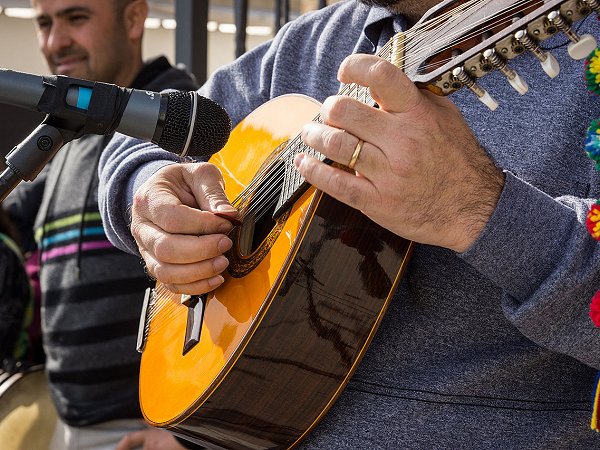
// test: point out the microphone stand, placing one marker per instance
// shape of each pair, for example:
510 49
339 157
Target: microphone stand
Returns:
26 160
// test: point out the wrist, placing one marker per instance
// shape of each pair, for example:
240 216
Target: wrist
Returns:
478 204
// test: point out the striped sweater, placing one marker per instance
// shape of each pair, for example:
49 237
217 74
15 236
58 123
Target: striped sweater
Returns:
91 292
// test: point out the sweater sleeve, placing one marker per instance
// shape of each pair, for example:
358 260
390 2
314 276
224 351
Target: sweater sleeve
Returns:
547 278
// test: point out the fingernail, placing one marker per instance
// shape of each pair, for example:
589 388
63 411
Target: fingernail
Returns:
225 228
225 207
298 160
216 281
224 244
220 263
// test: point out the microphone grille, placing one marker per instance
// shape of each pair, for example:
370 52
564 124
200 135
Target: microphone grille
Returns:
211 130
211 127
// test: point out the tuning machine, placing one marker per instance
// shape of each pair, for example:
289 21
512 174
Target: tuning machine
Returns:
580 46
547 59
497 62
462 78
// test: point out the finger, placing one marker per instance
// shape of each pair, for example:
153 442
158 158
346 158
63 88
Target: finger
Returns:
131 441
340 146
357 118
389 86
208 187
177 218
346 187
197 288
178 248
185 273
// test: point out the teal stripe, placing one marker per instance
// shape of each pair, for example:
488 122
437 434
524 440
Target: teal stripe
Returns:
72 234
84 97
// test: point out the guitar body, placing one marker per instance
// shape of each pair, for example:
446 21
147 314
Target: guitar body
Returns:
306 291
283 335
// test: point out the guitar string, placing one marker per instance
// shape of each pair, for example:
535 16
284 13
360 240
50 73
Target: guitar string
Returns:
355 91
265 196
294 146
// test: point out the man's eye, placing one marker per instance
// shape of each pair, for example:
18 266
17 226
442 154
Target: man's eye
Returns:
43 24
77 18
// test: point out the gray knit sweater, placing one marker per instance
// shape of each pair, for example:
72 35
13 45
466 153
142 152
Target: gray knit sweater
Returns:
492 348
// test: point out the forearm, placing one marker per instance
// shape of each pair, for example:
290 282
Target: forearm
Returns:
537 250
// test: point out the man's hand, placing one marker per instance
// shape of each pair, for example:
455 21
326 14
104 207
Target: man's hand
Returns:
420 173
150 439
180 238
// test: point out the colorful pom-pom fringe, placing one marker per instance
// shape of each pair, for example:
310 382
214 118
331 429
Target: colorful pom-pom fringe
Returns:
592 71
592 148
592 142
595 422
595 309
592 221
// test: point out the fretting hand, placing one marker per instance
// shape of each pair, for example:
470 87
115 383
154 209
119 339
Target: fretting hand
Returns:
420 171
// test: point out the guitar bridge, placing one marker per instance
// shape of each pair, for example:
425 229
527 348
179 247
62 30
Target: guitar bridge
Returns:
196 305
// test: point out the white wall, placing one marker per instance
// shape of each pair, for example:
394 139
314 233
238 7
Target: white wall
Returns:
19 51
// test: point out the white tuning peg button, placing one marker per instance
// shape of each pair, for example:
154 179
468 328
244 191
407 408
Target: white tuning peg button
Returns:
580 46
511 75
488 100
519 84
467 80
550 65
581 49
547 59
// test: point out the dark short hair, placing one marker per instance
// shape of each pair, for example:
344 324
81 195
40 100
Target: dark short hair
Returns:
120 5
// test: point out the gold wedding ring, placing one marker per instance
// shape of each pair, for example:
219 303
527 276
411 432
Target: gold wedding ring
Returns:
356 154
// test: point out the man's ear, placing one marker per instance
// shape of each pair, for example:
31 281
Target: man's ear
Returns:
135 15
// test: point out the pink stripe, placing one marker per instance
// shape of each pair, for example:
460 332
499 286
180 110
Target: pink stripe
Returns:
70 249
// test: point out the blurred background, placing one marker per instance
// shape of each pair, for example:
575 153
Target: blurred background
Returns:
202 34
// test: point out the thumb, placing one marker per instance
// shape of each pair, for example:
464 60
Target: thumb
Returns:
208 188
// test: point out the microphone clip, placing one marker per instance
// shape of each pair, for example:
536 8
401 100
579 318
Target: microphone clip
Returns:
81 106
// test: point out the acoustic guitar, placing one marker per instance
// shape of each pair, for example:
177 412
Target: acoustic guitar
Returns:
258 362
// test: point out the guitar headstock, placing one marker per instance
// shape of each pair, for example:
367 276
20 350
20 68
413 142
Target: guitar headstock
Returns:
459 41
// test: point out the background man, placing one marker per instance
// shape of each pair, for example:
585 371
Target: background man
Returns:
488 343
91 291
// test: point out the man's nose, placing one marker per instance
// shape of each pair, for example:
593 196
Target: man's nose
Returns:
58 38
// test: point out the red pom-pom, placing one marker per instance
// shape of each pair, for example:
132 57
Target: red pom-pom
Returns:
592 221
595 309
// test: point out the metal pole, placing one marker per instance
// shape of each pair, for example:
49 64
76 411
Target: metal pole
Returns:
191 36
241 21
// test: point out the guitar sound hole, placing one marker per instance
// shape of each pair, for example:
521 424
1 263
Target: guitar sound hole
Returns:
253 240
255 230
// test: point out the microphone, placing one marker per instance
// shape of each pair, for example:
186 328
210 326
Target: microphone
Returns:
181 122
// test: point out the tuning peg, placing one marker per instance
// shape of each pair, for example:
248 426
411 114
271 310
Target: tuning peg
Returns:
518 83
594 4
467 80
549 62
580 46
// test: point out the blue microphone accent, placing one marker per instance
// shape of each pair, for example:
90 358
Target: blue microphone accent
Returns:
84 97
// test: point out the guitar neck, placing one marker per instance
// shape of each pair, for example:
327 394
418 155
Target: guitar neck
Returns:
455 44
